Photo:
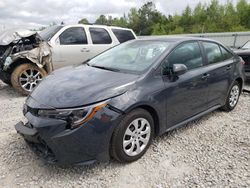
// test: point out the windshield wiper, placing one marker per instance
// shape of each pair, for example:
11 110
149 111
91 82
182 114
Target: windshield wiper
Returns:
86 62
105 68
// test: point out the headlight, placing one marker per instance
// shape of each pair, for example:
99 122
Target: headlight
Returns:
76 116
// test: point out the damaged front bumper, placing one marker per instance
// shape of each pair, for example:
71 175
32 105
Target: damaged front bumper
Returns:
32 138
52 141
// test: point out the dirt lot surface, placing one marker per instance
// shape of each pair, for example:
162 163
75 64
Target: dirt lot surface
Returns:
213 151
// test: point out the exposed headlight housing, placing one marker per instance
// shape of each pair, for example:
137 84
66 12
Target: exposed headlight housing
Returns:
76 116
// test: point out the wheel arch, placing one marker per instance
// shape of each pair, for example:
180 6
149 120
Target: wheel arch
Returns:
240 81
21 61
152 112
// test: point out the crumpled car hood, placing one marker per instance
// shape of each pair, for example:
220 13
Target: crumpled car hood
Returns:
80 85
10 35
19 44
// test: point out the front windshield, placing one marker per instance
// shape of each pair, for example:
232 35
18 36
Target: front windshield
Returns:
131 57
49 32
246 46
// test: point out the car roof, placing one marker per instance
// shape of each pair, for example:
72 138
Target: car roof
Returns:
96 25
175 39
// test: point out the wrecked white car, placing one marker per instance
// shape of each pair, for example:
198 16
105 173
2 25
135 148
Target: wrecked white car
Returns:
24 59
26 56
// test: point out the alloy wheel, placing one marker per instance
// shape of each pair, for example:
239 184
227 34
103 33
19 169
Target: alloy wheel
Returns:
29 79
234 95
136 137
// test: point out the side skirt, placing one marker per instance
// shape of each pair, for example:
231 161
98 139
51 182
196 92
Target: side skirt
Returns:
193 118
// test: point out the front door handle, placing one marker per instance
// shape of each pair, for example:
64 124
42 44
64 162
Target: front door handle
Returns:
205 76
229 67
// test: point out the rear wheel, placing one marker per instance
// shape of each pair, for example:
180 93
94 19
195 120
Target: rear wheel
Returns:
26 76
233 97
133 136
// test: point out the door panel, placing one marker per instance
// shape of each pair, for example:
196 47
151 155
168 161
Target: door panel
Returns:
186 94
220 68
70 55
186 97
71 47
219 82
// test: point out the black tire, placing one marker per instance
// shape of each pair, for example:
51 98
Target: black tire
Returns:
117 149
17 73
229 106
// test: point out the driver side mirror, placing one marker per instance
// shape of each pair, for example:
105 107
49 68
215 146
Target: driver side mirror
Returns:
179 69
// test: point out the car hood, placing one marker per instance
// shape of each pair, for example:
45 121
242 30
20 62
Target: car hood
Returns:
10 35
77 86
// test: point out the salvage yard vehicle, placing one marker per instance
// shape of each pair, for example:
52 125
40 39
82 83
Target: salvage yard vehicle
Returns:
244 52
113 105
26 57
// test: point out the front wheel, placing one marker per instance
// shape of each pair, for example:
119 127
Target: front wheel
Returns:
133 136
233 97
26 76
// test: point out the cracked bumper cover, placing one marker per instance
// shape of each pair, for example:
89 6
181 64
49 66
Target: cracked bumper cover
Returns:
50 139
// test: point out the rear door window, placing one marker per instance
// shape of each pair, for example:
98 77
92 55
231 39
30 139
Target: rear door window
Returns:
100 36
73 36
123 35
213 52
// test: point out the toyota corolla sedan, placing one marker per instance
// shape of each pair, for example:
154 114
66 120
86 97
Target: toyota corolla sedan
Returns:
116 103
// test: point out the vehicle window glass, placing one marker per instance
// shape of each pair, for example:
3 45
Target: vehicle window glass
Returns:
123 35
188 54
99 36
73 36
49 32
213 52
133 57
225 54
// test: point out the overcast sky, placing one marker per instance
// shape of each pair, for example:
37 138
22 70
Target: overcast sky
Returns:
36 13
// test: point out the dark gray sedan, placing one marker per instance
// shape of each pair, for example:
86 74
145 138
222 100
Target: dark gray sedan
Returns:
116 103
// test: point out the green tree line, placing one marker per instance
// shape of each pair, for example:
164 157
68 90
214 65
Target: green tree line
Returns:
204 18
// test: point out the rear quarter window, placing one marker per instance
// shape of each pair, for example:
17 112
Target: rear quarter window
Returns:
123 35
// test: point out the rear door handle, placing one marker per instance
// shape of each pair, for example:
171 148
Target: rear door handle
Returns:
229 67
205 76
84 50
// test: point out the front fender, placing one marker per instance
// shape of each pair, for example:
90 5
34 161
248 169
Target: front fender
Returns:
132 100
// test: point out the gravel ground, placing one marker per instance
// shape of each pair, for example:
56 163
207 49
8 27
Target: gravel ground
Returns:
213 151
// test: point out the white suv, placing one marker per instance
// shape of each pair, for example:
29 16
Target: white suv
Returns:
77 43
26 57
